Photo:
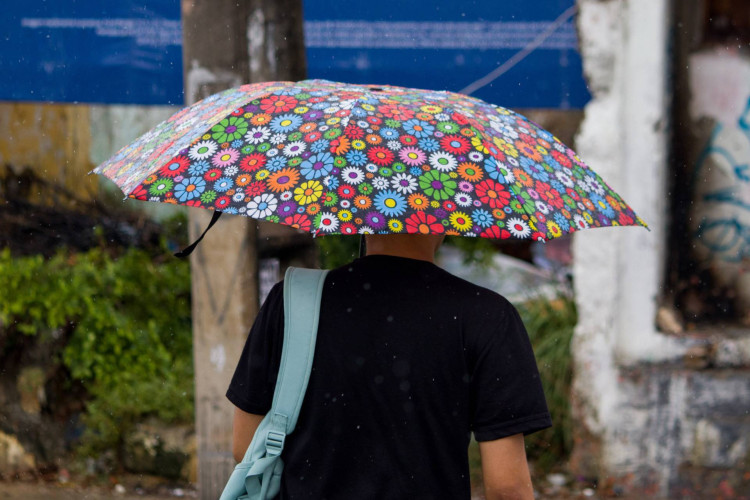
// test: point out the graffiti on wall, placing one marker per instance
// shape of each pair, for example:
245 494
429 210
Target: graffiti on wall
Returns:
722 189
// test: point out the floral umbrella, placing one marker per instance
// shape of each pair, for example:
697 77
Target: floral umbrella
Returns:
336 158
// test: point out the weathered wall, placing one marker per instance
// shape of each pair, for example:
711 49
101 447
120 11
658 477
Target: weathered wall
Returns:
657 414
719 133
51 140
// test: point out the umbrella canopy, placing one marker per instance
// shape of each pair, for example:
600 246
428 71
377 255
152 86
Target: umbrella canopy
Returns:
336 158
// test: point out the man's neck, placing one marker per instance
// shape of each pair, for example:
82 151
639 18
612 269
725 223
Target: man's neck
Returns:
408 246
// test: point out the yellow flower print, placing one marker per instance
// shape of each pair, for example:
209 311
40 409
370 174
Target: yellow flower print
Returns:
308 192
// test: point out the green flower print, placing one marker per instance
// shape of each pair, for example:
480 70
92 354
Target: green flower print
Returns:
229 129
208 196
161 186
524 199
439 185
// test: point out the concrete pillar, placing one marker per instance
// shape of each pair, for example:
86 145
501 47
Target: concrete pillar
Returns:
224 265
619 272
658 413
227 43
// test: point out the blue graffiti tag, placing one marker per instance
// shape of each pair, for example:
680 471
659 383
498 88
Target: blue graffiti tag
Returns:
725 236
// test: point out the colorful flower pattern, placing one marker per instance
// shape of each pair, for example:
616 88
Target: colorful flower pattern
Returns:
330 157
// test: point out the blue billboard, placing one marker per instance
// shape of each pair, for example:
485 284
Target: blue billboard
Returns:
514 53
118 52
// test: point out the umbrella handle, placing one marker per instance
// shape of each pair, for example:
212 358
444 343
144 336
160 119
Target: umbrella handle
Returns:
189 249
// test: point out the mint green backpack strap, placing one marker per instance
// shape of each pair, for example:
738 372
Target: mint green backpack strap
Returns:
258 476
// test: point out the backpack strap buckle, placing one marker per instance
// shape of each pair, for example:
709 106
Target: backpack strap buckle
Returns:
275 442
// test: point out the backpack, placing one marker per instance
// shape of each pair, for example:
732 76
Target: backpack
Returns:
258 476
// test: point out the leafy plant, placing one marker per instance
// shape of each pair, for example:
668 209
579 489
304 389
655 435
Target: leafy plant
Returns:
550 324
335 251
130 342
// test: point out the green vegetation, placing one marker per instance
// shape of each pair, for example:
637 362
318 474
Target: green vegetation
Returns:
129 333
335 251
550 326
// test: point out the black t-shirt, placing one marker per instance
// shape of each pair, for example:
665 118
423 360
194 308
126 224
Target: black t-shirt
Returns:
409 361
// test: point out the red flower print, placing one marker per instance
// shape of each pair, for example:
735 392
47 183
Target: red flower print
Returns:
496 233
346 191
455 144
492 193
278 104
139 193
396 112
300 221
348 228
253 162
255 188
222 202
313 136
459 118
380 156
176 166
354 132
423 223
624 219
408 140
552 197
212 174
561 159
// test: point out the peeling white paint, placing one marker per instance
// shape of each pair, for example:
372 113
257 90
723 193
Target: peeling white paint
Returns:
618 272
198 76
719 85
218 357
261 50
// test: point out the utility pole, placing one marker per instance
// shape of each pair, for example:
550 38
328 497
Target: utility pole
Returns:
227 43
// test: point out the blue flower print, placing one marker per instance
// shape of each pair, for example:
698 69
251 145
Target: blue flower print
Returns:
390 203
562 222
356 158
388 133
482 217
429 144
319 146
316 166
223 184
199 168
418 128
189 188
285 123
276 163
601 204
534 169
